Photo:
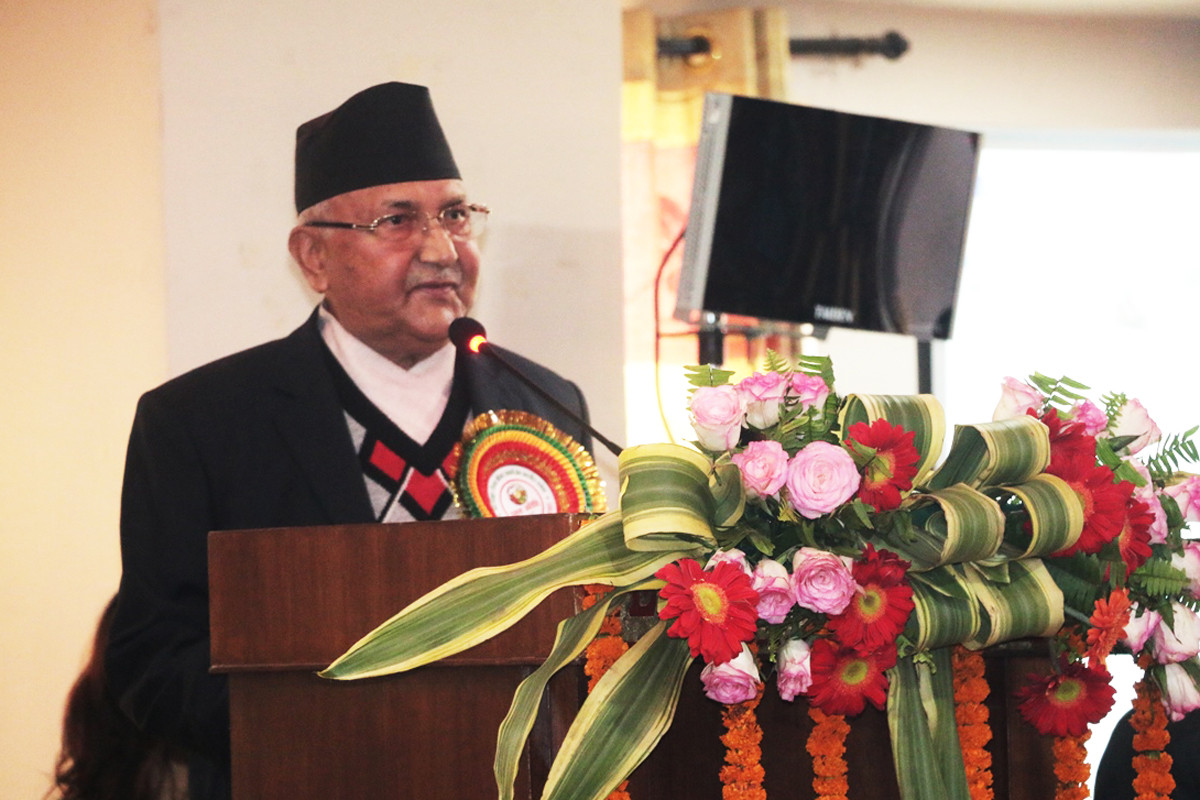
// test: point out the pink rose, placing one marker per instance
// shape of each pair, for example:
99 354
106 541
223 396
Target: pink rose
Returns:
763 465
1158 527
821 581
763 393
1189 563
774 586
1180 693
820 478
795 672
1016 398
717 414
735 681
1187 496
1147 494
731 556
1133 420
1179 642
1091 417
811 390
1140 628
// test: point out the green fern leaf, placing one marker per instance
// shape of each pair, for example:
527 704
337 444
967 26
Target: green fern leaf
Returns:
707 375
1177 449
1112 403
1157 578
774 362
821 366
1063 393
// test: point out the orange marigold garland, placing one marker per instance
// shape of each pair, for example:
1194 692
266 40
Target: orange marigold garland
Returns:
827 746
1151 763
742 775
608 645
602 652
1070 766
971 715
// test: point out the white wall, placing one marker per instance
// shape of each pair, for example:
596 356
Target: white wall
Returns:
529 96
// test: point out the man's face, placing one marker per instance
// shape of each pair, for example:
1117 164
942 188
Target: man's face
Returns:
397 297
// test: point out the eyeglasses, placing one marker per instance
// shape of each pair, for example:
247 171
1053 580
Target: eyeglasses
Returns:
460 222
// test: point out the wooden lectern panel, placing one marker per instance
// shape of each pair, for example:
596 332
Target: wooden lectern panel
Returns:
287 602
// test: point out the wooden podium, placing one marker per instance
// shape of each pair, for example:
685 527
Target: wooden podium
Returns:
287 602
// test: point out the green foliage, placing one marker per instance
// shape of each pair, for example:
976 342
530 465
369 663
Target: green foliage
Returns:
1175 520
707 375
1081 579
1062 393
1106 453
821 366
1112 403
1173 451
774 362
1157 578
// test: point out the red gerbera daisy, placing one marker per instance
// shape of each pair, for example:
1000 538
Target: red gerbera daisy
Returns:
1067 438
1103 500
1065 703
715 611
1134 537
844 680
892 467
878 612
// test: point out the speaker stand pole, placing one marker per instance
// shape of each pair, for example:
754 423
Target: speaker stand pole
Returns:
711 339
924 366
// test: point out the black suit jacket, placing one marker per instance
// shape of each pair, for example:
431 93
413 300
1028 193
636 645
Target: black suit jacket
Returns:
255 440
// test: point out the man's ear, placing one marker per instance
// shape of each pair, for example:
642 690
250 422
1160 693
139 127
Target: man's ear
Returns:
307 248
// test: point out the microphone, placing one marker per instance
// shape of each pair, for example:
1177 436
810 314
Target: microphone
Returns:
469 336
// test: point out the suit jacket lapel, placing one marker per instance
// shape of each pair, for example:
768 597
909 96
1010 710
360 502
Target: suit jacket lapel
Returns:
311 421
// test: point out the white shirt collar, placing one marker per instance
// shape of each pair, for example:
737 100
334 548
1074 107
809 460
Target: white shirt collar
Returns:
414 399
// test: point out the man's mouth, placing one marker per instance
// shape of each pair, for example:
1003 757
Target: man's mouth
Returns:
446 280
435 286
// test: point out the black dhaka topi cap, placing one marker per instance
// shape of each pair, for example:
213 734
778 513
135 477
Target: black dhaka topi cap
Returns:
386 134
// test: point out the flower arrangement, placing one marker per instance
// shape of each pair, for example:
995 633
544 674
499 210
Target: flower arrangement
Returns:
812 539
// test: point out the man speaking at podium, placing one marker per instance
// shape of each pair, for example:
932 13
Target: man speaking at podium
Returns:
351 418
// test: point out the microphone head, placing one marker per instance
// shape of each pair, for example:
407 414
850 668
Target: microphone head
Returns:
468 334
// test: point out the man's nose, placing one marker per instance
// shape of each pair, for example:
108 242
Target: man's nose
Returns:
436 245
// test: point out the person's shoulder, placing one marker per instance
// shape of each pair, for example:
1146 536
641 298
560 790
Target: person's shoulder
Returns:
537 372
246 371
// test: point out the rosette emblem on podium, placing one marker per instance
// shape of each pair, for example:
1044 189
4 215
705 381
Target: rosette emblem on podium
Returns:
514 463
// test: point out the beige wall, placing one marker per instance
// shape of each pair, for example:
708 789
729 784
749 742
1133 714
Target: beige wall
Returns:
82 299
995 71
999 73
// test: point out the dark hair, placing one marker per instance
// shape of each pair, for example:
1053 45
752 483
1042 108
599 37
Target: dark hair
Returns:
104 756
